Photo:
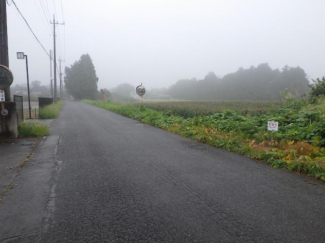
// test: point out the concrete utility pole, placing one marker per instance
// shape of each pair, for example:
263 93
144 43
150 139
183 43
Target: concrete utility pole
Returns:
4 58
61 85
51 79
8 117
54 49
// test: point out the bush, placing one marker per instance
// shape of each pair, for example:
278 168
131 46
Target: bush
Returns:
317 89
51 111
33 129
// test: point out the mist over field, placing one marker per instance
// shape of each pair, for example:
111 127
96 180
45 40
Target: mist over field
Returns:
158 43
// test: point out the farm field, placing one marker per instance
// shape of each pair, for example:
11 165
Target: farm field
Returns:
298 145
198 108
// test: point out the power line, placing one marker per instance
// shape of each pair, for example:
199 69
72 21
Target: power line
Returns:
55 8
63 29
47 8
30 28
42 7
45 16
62 10
64 42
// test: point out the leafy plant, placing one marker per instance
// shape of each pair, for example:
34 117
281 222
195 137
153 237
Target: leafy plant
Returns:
317 89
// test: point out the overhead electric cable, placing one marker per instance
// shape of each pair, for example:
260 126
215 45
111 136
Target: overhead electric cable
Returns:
47 8
43 10
64 42
62 10
30 28
55 8
63 29
45 16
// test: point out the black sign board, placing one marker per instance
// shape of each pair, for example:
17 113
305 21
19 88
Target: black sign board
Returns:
6 77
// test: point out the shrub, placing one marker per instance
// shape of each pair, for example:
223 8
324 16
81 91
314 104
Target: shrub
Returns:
317 89
33 129
51 111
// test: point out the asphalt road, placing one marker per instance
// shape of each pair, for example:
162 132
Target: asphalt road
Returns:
114 179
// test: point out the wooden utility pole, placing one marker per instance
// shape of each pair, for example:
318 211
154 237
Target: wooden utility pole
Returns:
4 58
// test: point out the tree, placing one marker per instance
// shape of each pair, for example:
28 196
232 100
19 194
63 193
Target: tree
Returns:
317 88
81 79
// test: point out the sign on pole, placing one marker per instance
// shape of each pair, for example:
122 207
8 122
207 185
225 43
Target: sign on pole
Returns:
2 96
272 126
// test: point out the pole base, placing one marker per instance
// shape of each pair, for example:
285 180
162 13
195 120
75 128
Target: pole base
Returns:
8 123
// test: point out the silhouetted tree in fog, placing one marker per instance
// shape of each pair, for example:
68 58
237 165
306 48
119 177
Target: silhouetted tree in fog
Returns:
81 79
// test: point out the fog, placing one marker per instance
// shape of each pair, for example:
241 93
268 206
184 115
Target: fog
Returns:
160 42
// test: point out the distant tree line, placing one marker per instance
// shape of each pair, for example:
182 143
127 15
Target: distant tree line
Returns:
255 83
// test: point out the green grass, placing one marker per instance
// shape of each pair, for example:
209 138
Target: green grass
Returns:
299 145
33 129
51 111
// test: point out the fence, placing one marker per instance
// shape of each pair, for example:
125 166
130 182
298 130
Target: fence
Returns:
43 101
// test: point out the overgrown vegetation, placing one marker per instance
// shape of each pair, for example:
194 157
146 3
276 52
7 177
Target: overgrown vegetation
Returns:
317 89
188 109
33 129
51 111
299 145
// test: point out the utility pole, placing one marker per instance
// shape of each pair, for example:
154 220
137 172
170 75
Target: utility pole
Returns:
4 58
51 80
61 81
54 49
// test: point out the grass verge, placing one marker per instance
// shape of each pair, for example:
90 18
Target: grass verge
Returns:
33 129
51 111
298 146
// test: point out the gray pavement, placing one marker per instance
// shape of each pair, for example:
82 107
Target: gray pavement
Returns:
101 177
14 154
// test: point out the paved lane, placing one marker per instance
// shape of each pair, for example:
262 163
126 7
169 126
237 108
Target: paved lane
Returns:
122 181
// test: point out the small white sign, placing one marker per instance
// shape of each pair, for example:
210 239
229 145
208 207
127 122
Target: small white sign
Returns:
2 96
272 126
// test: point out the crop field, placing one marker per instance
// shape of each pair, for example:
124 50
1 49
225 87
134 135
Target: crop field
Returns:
298 145
199 108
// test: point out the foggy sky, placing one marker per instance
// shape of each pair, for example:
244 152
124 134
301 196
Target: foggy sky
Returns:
157 42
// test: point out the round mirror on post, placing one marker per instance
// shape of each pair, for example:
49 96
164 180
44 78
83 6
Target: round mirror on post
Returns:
6 77
141 90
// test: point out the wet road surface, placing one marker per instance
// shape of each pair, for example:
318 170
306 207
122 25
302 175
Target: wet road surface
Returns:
114 179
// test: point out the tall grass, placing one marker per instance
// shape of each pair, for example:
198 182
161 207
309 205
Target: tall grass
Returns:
51 111
33 129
